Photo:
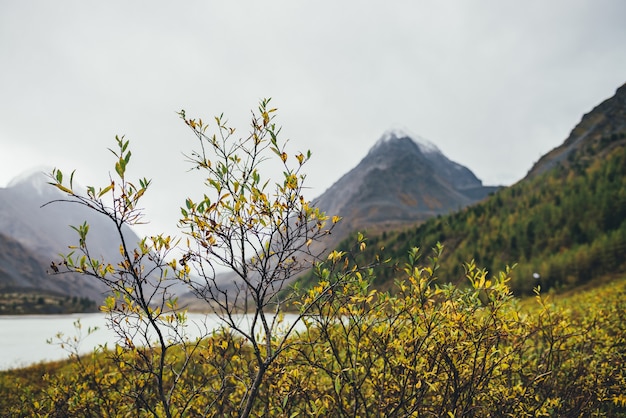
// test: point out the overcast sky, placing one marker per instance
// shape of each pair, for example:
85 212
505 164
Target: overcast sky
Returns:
494 84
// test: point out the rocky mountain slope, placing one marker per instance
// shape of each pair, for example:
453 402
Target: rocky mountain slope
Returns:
403 180
606 123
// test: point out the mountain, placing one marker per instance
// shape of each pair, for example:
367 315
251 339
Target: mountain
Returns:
404 179
565 222
26 288
20 267
604 125
31 236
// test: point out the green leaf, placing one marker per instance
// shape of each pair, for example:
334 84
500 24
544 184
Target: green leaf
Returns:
337 385
105 190
139 194
119 169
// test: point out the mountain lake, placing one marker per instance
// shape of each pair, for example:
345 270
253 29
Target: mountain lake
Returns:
24 338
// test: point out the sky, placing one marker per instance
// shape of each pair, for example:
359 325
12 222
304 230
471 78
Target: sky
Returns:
495 84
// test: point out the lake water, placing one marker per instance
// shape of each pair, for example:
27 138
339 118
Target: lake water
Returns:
23 338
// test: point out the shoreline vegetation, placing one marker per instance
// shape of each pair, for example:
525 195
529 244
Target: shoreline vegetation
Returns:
33 302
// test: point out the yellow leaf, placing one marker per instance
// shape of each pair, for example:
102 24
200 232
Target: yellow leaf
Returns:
336 255
63 188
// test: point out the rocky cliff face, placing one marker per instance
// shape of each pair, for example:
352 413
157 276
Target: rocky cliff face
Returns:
597 132
402 180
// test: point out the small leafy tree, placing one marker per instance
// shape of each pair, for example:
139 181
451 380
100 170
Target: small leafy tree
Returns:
260 231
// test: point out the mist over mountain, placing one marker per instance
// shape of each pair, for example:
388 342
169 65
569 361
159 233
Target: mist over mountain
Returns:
34 233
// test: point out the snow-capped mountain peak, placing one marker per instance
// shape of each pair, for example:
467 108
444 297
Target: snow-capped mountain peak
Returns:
425 146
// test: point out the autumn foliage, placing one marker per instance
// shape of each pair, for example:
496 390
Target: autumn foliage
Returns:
427 350
423 348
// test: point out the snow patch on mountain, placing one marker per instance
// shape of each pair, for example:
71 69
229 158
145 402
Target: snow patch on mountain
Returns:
425 146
